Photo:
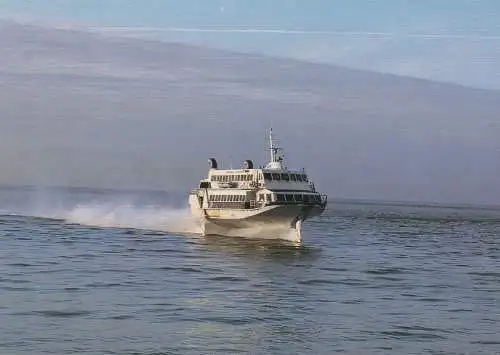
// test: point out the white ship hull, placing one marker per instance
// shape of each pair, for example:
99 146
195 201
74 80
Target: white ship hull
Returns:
268 222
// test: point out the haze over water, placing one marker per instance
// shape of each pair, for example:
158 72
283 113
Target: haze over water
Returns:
369 278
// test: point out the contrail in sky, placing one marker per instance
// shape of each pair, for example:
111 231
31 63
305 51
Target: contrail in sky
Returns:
293 32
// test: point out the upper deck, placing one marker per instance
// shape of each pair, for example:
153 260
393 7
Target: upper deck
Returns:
259 178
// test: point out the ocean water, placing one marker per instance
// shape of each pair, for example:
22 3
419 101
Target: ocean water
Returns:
101 272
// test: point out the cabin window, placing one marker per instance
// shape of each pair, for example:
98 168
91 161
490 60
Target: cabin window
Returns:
285 177
298 198
306 198
261 197
249 177
304 177
276 176
268 198
299 177
293 177
289 198
268 176
280 197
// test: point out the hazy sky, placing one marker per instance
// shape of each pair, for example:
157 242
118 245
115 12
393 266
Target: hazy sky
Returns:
82 109
449 40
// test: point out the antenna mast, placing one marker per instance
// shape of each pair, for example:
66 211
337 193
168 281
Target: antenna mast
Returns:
275 161
271 146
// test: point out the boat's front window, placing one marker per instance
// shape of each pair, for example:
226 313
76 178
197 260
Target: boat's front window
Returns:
268 176
285 177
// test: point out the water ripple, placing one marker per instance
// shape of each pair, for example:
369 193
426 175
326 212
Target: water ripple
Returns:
367 281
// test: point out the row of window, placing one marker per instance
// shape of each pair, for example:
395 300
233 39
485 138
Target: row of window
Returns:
267 176
268 197
232 205
285 177
298 198
230 178
226 198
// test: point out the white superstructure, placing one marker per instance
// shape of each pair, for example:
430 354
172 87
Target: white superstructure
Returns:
251 201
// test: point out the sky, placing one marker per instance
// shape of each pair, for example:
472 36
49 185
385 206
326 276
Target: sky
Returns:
445 40
79 109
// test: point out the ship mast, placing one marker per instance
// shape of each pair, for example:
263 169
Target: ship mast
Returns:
276 159
271 146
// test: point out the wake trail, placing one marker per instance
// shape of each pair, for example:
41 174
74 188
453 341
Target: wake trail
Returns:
114 214
163 219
